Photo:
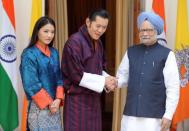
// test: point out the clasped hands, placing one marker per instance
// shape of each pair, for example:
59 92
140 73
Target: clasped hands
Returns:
110 83
54 106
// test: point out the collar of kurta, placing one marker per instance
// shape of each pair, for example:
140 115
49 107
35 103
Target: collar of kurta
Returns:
45 50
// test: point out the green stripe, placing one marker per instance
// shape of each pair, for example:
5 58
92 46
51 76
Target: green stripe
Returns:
8 103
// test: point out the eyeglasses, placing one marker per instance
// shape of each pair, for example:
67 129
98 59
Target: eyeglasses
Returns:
146 30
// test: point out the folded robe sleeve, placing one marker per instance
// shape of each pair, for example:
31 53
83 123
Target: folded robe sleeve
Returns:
42 99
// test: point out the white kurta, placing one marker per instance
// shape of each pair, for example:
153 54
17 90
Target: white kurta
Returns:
171 79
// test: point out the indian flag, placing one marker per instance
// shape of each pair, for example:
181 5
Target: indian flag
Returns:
8 71
158 8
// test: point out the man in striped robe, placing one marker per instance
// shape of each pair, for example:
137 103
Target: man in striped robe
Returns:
83 68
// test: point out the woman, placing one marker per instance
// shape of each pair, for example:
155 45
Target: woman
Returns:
41 78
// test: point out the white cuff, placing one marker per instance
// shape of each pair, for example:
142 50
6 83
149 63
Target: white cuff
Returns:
93 82
104 73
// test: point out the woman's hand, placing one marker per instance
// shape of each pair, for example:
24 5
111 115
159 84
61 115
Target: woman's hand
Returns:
54 107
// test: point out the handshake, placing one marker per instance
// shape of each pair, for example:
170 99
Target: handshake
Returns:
110 83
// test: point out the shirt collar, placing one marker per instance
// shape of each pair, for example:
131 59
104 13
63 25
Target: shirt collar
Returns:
45 50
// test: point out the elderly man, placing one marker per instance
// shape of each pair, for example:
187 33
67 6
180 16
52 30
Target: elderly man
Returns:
149 70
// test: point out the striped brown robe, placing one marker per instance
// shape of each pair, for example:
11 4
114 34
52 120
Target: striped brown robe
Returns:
82 108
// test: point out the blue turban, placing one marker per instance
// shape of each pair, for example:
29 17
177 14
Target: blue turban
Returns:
153 18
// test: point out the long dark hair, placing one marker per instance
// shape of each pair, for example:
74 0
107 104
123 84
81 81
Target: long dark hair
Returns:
38 25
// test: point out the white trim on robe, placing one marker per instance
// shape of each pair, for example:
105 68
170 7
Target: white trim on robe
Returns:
93 81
